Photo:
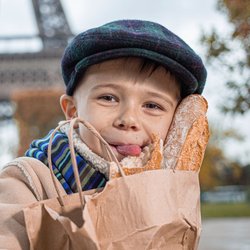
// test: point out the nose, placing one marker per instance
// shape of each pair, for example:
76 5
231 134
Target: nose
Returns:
127 120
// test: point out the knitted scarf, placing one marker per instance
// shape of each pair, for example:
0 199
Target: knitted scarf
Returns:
61 161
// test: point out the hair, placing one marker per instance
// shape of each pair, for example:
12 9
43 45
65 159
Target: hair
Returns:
149 66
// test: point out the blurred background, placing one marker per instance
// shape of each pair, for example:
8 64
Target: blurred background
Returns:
33 35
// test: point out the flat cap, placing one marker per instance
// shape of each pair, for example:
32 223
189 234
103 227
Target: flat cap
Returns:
133 38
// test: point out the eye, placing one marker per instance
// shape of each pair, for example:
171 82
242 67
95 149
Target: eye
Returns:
108 98
152 105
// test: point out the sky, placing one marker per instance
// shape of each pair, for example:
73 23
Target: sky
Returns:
188 19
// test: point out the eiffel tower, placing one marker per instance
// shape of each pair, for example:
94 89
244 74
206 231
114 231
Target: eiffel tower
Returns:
40 69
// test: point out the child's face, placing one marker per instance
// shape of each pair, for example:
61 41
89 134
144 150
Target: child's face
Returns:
126 106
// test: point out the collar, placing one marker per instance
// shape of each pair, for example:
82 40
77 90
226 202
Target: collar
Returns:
98 163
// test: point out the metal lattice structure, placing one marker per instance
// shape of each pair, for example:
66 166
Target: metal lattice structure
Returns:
52 24
40 69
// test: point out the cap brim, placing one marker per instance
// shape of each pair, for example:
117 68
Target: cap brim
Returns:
188 81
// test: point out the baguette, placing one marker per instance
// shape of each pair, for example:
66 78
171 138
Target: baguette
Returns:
185 143
188 135
149 159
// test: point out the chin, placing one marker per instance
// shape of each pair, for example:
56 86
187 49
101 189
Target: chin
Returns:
117 155
120 157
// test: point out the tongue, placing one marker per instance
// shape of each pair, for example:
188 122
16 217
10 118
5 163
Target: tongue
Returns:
133 150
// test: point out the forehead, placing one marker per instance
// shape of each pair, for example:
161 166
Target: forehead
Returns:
131 69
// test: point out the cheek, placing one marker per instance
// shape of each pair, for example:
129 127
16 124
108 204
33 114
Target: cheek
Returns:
90 140
85 134
91 114
98 119
161 125
164 127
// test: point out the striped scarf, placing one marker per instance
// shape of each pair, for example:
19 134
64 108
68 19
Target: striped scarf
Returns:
62 166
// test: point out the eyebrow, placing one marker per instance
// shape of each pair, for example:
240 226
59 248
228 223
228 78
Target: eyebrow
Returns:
153 94
107 85
161 96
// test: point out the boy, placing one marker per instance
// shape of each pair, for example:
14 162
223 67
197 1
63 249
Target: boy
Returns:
126 78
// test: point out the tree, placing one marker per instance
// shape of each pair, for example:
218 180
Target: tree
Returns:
209 175
231 53
217 168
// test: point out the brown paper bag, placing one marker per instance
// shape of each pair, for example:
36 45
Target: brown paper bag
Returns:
156 209
152 210
52 226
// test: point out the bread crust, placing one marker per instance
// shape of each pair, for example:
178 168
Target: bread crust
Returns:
153 163
185 143
188 135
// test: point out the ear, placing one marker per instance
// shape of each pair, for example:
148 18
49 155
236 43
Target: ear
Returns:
68 106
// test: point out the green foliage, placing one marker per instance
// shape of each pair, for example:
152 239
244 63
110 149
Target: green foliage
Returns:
209 210
215 45
230 53
217 169
209 175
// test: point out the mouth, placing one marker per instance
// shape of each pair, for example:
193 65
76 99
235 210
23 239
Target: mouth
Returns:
127 149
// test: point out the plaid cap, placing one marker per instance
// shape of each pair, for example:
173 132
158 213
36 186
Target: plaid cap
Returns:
133 38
